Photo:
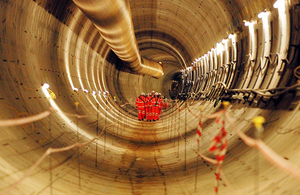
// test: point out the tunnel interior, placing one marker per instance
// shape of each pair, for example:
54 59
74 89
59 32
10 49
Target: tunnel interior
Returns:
242 52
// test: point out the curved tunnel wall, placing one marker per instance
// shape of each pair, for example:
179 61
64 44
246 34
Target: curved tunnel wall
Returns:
54 43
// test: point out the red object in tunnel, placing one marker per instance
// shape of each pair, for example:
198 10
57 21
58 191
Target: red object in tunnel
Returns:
140 104
153 102
160 107
148 107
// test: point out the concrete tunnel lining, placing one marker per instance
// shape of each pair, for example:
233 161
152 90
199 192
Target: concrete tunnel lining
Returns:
53 42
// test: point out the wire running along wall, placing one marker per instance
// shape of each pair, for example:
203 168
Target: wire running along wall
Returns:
218 144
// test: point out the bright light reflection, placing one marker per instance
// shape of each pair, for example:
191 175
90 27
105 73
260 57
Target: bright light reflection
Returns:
262 14
45 88
247 23
73 125
278 3
233 38
220 48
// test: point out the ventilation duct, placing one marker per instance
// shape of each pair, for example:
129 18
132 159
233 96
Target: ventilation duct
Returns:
113 20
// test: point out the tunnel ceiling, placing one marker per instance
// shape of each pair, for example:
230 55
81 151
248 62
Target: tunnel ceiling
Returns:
196 25
186 22
89 108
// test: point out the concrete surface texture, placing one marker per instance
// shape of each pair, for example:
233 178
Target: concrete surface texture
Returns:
92 94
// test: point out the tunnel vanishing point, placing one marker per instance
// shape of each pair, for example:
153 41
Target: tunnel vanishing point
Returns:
71 71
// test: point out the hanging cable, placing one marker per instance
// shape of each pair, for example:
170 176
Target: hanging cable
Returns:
296 74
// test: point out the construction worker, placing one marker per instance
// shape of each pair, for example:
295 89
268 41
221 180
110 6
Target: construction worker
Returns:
148 107
165 102
145 104
140 104
159 105
154 102
152 108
